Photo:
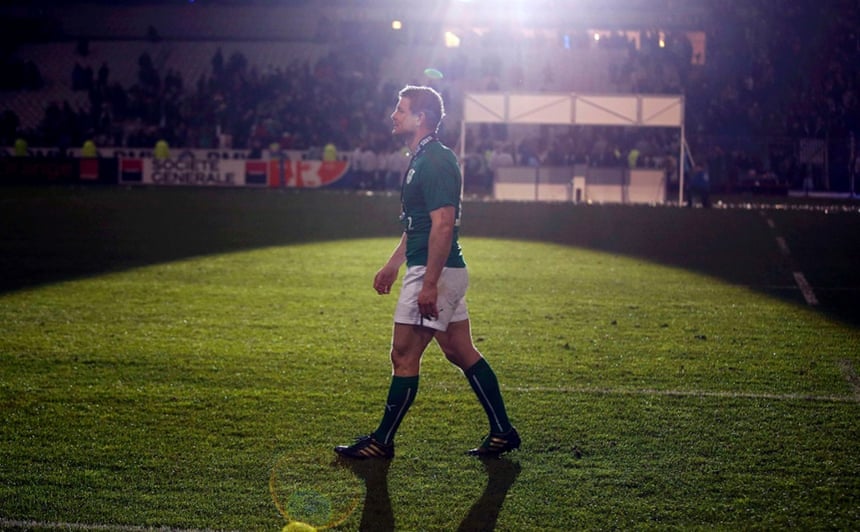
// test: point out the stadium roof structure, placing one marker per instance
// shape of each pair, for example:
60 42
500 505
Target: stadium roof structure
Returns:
626 110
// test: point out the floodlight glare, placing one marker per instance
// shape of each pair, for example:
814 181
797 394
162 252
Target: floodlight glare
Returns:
451 40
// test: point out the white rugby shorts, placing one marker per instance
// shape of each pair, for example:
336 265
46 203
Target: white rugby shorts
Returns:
450 303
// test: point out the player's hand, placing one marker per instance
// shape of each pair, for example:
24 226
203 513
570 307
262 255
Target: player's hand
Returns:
427 302
384 280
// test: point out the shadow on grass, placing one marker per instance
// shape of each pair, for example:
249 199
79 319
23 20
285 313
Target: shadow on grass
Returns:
55 234
377 513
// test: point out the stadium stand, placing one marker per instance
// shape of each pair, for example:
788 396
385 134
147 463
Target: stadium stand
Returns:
777 86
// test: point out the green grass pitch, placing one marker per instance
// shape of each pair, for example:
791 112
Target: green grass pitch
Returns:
187 359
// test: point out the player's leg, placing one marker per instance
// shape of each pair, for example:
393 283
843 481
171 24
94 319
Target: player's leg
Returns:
408 342
407 346
456 343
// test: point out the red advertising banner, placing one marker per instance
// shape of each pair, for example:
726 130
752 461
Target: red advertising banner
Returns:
305 174
89 169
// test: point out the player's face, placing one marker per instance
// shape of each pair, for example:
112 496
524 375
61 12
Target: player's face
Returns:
403 121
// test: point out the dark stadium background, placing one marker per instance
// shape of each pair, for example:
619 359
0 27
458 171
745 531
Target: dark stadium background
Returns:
770 87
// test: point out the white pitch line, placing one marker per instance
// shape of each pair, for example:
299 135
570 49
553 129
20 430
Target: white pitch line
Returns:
12 523
783 246
799 278
690 393
851 376
805 288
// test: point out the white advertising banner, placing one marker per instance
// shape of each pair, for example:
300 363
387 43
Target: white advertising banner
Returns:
209 172
190 171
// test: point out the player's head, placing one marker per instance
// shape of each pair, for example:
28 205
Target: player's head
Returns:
427 102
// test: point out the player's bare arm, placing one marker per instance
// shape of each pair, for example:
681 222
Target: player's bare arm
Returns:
439 246
385 277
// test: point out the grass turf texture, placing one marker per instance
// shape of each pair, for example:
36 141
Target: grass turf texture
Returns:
155 375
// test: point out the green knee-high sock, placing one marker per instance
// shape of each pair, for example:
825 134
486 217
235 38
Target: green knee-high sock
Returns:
483 380
401 393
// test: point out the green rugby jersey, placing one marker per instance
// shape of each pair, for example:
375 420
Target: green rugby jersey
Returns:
432 181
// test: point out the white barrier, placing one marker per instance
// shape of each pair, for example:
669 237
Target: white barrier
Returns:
580 184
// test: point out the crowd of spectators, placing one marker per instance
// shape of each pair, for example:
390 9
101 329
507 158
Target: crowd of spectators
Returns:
778 72
337 99
775 72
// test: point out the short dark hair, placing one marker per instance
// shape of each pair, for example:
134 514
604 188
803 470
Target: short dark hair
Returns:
425 100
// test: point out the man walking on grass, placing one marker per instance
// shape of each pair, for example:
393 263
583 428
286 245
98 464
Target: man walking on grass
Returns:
432 297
